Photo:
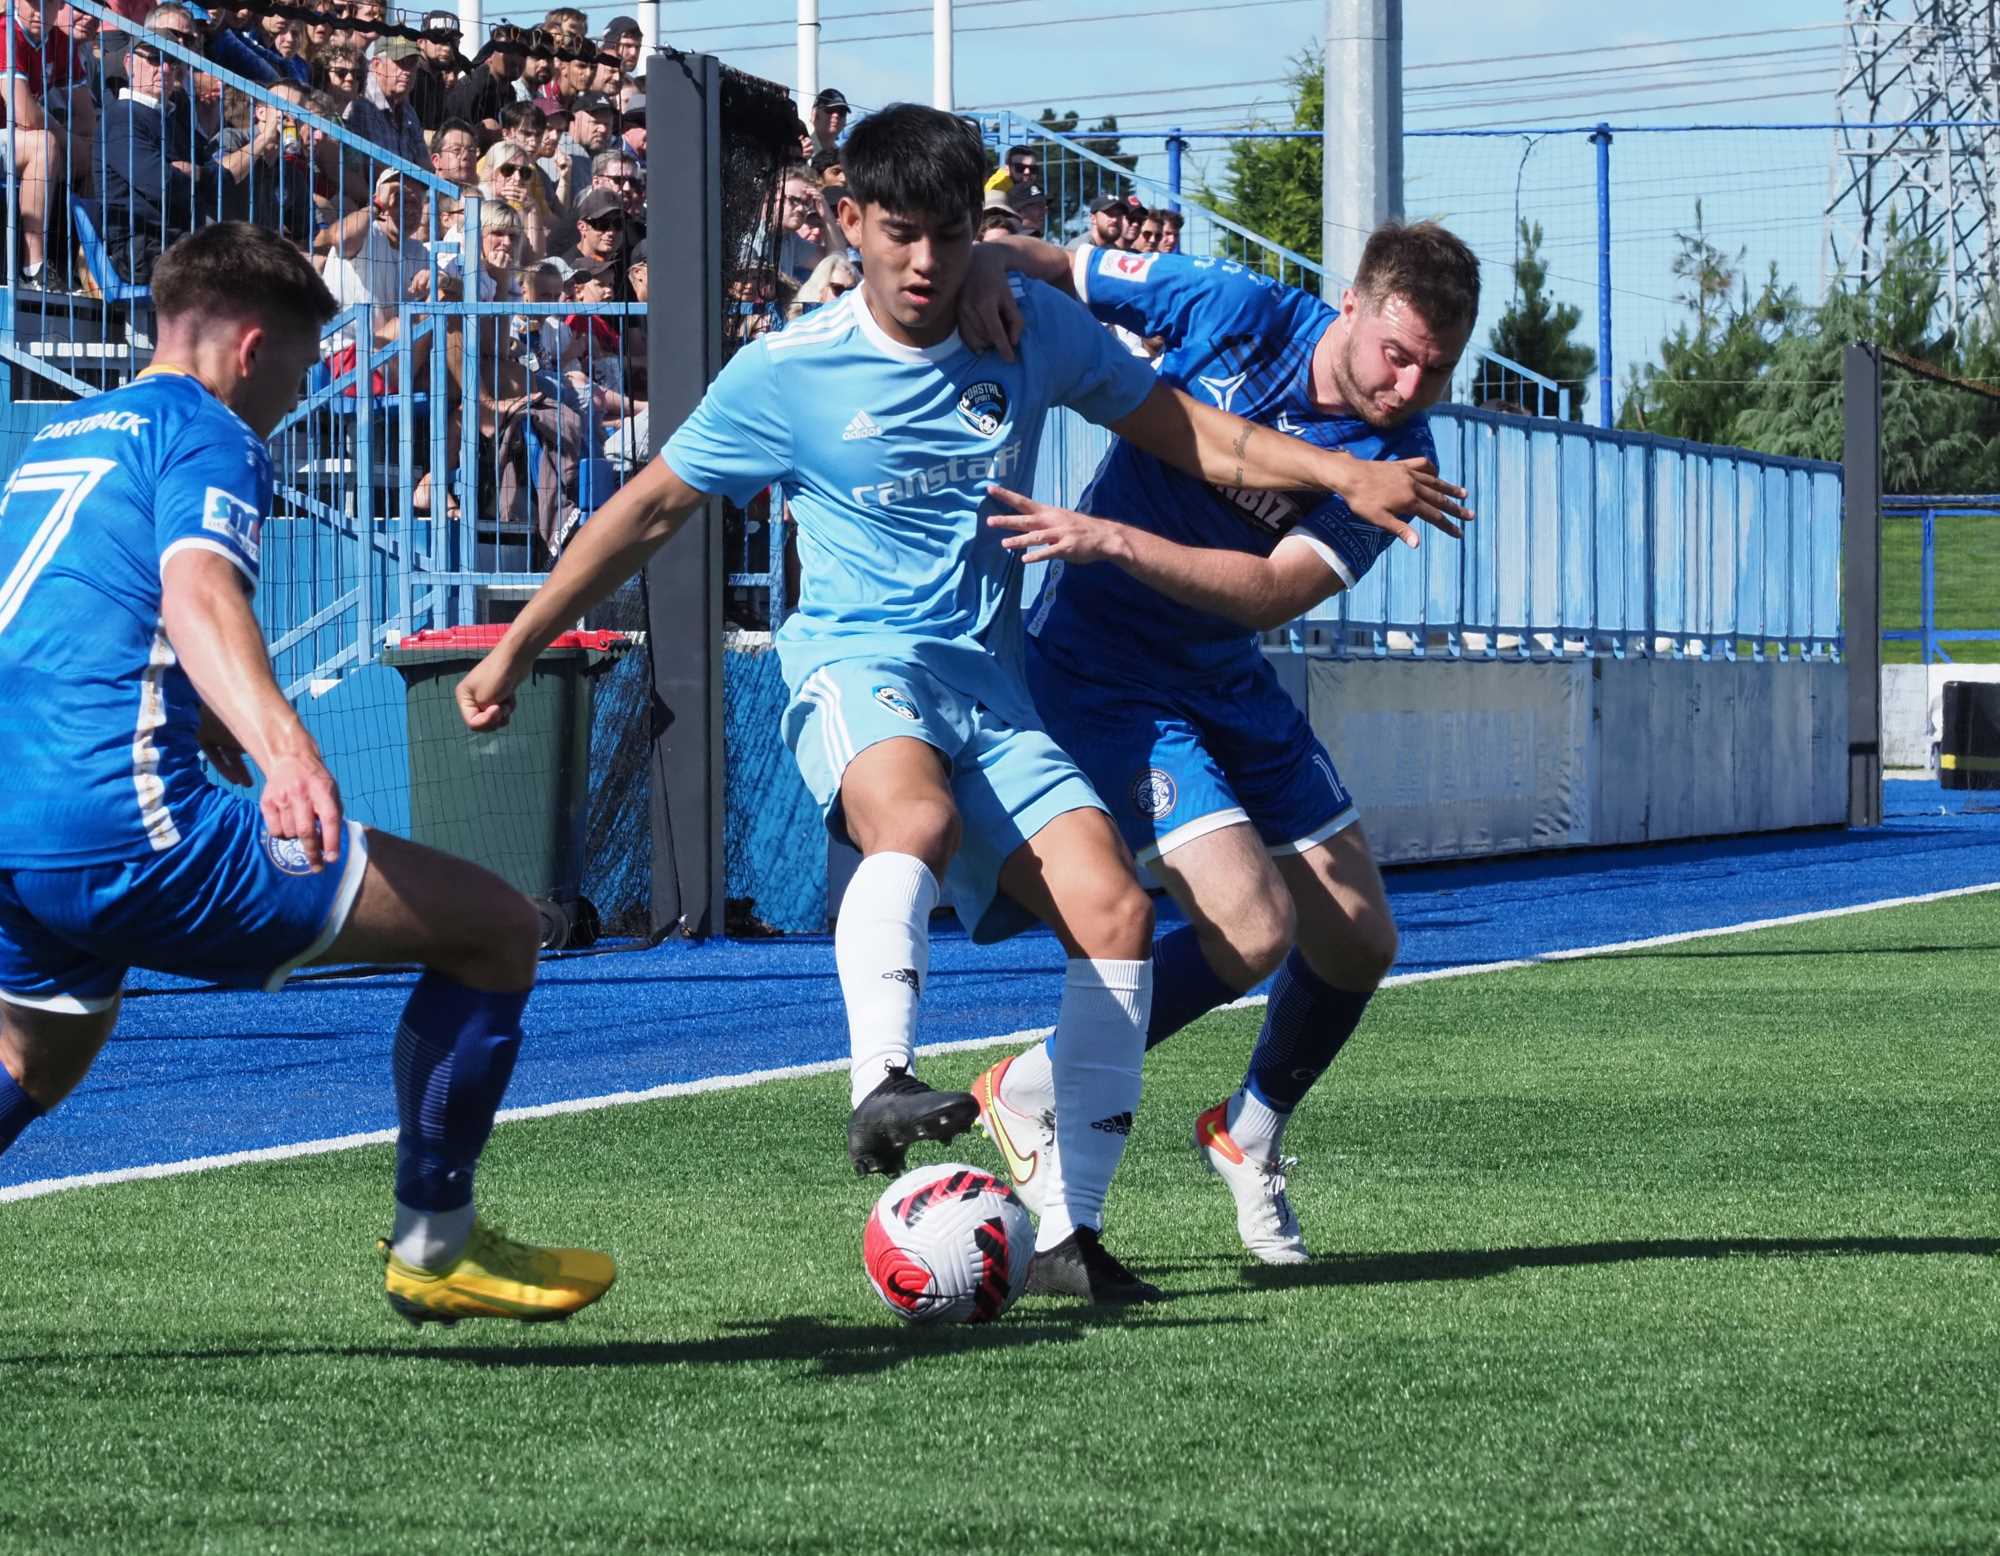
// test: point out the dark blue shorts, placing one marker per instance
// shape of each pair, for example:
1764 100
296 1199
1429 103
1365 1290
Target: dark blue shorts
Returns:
1176 762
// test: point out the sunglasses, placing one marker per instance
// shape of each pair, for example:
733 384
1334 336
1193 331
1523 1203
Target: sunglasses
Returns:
340 73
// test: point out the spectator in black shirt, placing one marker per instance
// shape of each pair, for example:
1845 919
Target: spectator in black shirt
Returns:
488 86
438 48
600 232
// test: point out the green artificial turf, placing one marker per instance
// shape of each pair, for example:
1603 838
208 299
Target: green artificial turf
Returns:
1968 584
1688 1250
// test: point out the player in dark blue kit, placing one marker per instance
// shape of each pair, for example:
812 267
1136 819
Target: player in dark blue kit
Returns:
1150 674
128 552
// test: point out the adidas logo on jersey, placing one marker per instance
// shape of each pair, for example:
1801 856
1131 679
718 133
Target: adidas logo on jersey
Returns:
863 426
1117 1124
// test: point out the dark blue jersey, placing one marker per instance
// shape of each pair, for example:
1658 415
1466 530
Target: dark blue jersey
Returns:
1239 340
97 718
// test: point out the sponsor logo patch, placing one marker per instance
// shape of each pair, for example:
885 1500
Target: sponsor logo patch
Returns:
1132 267
906 976
1116 1124
224 513
863 426
288 854
1154 793
897 703
983 408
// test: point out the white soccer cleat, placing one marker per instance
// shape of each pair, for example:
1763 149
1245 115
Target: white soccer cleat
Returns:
1026 1141
1265 1219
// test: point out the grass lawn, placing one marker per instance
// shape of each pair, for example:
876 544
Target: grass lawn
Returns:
1968 585
1687 1250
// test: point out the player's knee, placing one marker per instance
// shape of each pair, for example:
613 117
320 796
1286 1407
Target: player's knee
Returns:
1361 954
1116 924
928 828
517 943
1259 933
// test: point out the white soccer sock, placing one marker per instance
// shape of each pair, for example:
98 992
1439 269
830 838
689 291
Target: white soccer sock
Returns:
1099 1043
882 946
430 1239
1255 1125
1029 1086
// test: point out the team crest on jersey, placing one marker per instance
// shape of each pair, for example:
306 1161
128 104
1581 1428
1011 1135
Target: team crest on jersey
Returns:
1130 267
224 513
1154 794
983 408
897 703
288 854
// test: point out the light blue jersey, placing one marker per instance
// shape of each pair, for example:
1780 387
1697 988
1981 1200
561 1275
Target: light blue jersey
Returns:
1239 340
885 452
96 716
909 616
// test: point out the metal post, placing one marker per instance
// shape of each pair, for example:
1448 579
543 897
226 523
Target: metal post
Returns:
649 31
1861 580
1930 585
684 577
941 83
808 57
468 19
1601 139
1362 179
1175 146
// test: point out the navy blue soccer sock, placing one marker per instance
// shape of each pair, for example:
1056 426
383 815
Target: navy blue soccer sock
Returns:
455 1053
1305 1025
1185 987
17 1109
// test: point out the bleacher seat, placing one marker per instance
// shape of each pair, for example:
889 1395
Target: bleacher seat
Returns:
88 224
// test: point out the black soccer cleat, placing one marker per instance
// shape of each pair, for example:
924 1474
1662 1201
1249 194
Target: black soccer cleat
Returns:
1079 1266
899 1112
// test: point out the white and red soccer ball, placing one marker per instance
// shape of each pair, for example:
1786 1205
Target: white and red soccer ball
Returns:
948 1244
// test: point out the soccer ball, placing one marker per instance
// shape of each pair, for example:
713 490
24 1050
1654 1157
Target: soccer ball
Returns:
948 1244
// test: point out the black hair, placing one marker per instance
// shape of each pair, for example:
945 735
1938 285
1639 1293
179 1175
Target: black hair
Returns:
232 270
514 115
1017 151
822 160
449 126
916 161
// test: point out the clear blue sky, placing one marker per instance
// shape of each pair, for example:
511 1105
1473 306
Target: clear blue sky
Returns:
1223 66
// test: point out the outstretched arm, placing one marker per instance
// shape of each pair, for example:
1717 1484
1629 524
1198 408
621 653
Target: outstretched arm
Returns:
1257 592
1215 446
613 546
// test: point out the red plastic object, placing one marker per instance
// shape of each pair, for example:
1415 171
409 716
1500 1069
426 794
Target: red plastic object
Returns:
487 634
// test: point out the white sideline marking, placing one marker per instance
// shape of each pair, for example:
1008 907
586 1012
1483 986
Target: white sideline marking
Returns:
616 1099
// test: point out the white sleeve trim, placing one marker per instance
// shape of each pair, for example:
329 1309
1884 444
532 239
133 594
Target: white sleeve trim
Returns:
1323 551
1080 273
196 543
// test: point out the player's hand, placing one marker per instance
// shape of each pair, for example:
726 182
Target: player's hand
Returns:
989 319
1386 492
1045 534
301 801
486 696
223 750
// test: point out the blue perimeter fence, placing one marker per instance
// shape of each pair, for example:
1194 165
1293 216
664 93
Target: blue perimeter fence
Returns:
1926 511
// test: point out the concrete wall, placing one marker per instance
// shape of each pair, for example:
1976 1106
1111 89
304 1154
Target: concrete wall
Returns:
1913 708
1455 759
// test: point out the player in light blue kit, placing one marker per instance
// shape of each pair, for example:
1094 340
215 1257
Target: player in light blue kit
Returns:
910 718
1149 671
129 543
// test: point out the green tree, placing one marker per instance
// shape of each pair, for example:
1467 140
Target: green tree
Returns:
1073 181
1535 332
1273 187
1711 366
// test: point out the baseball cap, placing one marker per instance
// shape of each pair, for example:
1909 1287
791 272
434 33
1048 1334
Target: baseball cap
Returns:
599 203
996 201
579 268
389 46
442 24
1108 202
596 104
832 97
621 27
635 256
1025 194
562 267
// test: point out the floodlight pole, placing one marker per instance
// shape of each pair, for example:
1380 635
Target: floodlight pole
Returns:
941 84
1861 579
808 57
468 18
649 29
1362 177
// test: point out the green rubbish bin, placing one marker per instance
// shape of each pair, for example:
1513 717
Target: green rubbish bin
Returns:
515 799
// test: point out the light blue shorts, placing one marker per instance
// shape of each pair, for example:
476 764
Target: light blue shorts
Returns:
228 904
1177 763
1007 780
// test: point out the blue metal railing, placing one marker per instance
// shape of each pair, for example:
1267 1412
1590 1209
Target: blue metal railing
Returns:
1927 511
1078 174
